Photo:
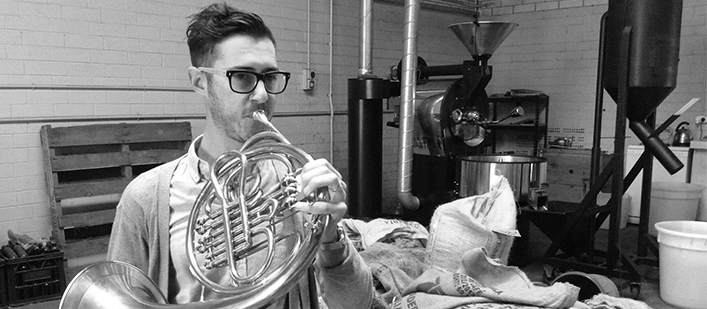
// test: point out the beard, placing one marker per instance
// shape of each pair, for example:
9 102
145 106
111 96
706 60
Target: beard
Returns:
235 121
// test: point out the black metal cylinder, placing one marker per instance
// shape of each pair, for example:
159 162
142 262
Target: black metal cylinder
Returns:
365 145
653 55
443 70
656 146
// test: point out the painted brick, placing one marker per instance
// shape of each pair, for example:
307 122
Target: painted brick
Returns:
73 110
146 109
7 199
47 96
69 26
155 47
112 110
13 155
140 6
570 3
158 72
524 8
80 13
33 110
69 54
83 41
120 43
119 70
141 32
109 57
110 81
25 140
507 10
6 139
13 129
42 38
6 170
72 80
31 168
34 23
547 5
87 69
105 5
32 196
144 58
146 82
102 29
153 20
595 2
118 16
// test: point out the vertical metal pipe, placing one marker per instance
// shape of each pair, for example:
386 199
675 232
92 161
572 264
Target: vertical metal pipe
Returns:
595 166
407 105
365 106
366 44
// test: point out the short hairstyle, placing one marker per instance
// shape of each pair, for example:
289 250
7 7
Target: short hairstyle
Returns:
217 22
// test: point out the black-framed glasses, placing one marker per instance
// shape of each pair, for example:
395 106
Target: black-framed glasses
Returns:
244 81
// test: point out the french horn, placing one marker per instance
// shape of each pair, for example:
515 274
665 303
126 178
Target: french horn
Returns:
234 217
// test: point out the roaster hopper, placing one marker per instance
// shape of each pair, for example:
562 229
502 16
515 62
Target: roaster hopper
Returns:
453 122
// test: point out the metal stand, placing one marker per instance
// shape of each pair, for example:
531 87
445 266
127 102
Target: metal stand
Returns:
612 262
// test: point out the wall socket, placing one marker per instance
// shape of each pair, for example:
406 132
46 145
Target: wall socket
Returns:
308 81
700 120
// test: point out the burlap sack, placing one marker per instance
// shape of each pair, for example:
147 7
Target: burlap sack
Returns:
484 221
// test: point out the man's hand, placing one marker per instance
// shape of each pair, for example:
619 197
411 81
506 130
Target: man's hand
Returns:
319 174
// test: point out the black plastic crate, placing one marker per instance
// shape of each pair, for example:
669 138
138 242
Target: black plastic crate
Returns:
35 278
3 284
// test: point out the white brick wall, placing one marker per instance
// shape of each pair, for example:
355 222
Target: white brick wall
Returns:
140 43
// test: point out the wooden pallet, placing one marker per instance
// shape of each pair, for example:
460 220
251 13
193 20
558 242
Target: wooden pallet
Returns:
88 167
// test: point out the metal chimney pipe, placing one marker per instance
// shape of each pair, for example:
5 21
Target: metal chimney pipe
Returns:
407 106
366 44
365 116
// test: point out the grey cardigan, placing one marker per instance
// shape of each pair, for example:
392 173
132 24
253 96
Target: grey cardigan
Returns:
140 236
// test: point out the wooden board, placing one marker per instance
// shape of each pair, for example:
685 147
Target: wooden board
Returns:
570 166
97 161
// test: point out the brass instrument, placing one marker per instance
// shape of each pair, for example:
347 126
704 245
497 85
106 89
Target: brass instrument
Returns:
256 215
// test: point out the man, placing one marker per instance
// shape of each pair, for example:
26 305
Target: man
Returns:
235 70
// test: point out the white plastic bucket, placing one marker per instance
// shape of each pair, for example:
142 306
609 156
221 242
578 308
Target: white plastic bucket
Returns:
603 198
673 201
683 263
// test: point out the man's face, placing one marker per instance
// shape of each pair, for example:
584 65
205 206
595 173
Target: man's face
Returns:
230 111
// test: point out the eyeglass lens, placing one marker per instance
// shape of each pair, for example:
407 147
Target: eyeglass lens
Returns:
244 82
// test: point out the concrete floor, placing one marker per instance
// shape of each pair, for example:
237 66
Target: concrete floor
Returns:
536 246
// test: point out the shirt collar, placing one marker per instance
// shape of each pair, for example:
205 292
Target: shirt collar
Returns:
197 169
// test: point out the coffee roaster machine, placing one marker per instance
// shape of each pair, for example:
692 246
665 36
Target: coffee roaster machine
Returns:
445 126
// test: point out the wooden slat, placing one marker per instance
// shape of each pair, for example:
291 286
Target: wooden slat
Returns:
51 178
72 176
93 188
88 247
113 159
102 134
91 218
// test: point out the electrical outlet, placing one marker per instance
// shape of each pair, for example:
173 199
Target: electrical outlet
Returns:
700 119
308 81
